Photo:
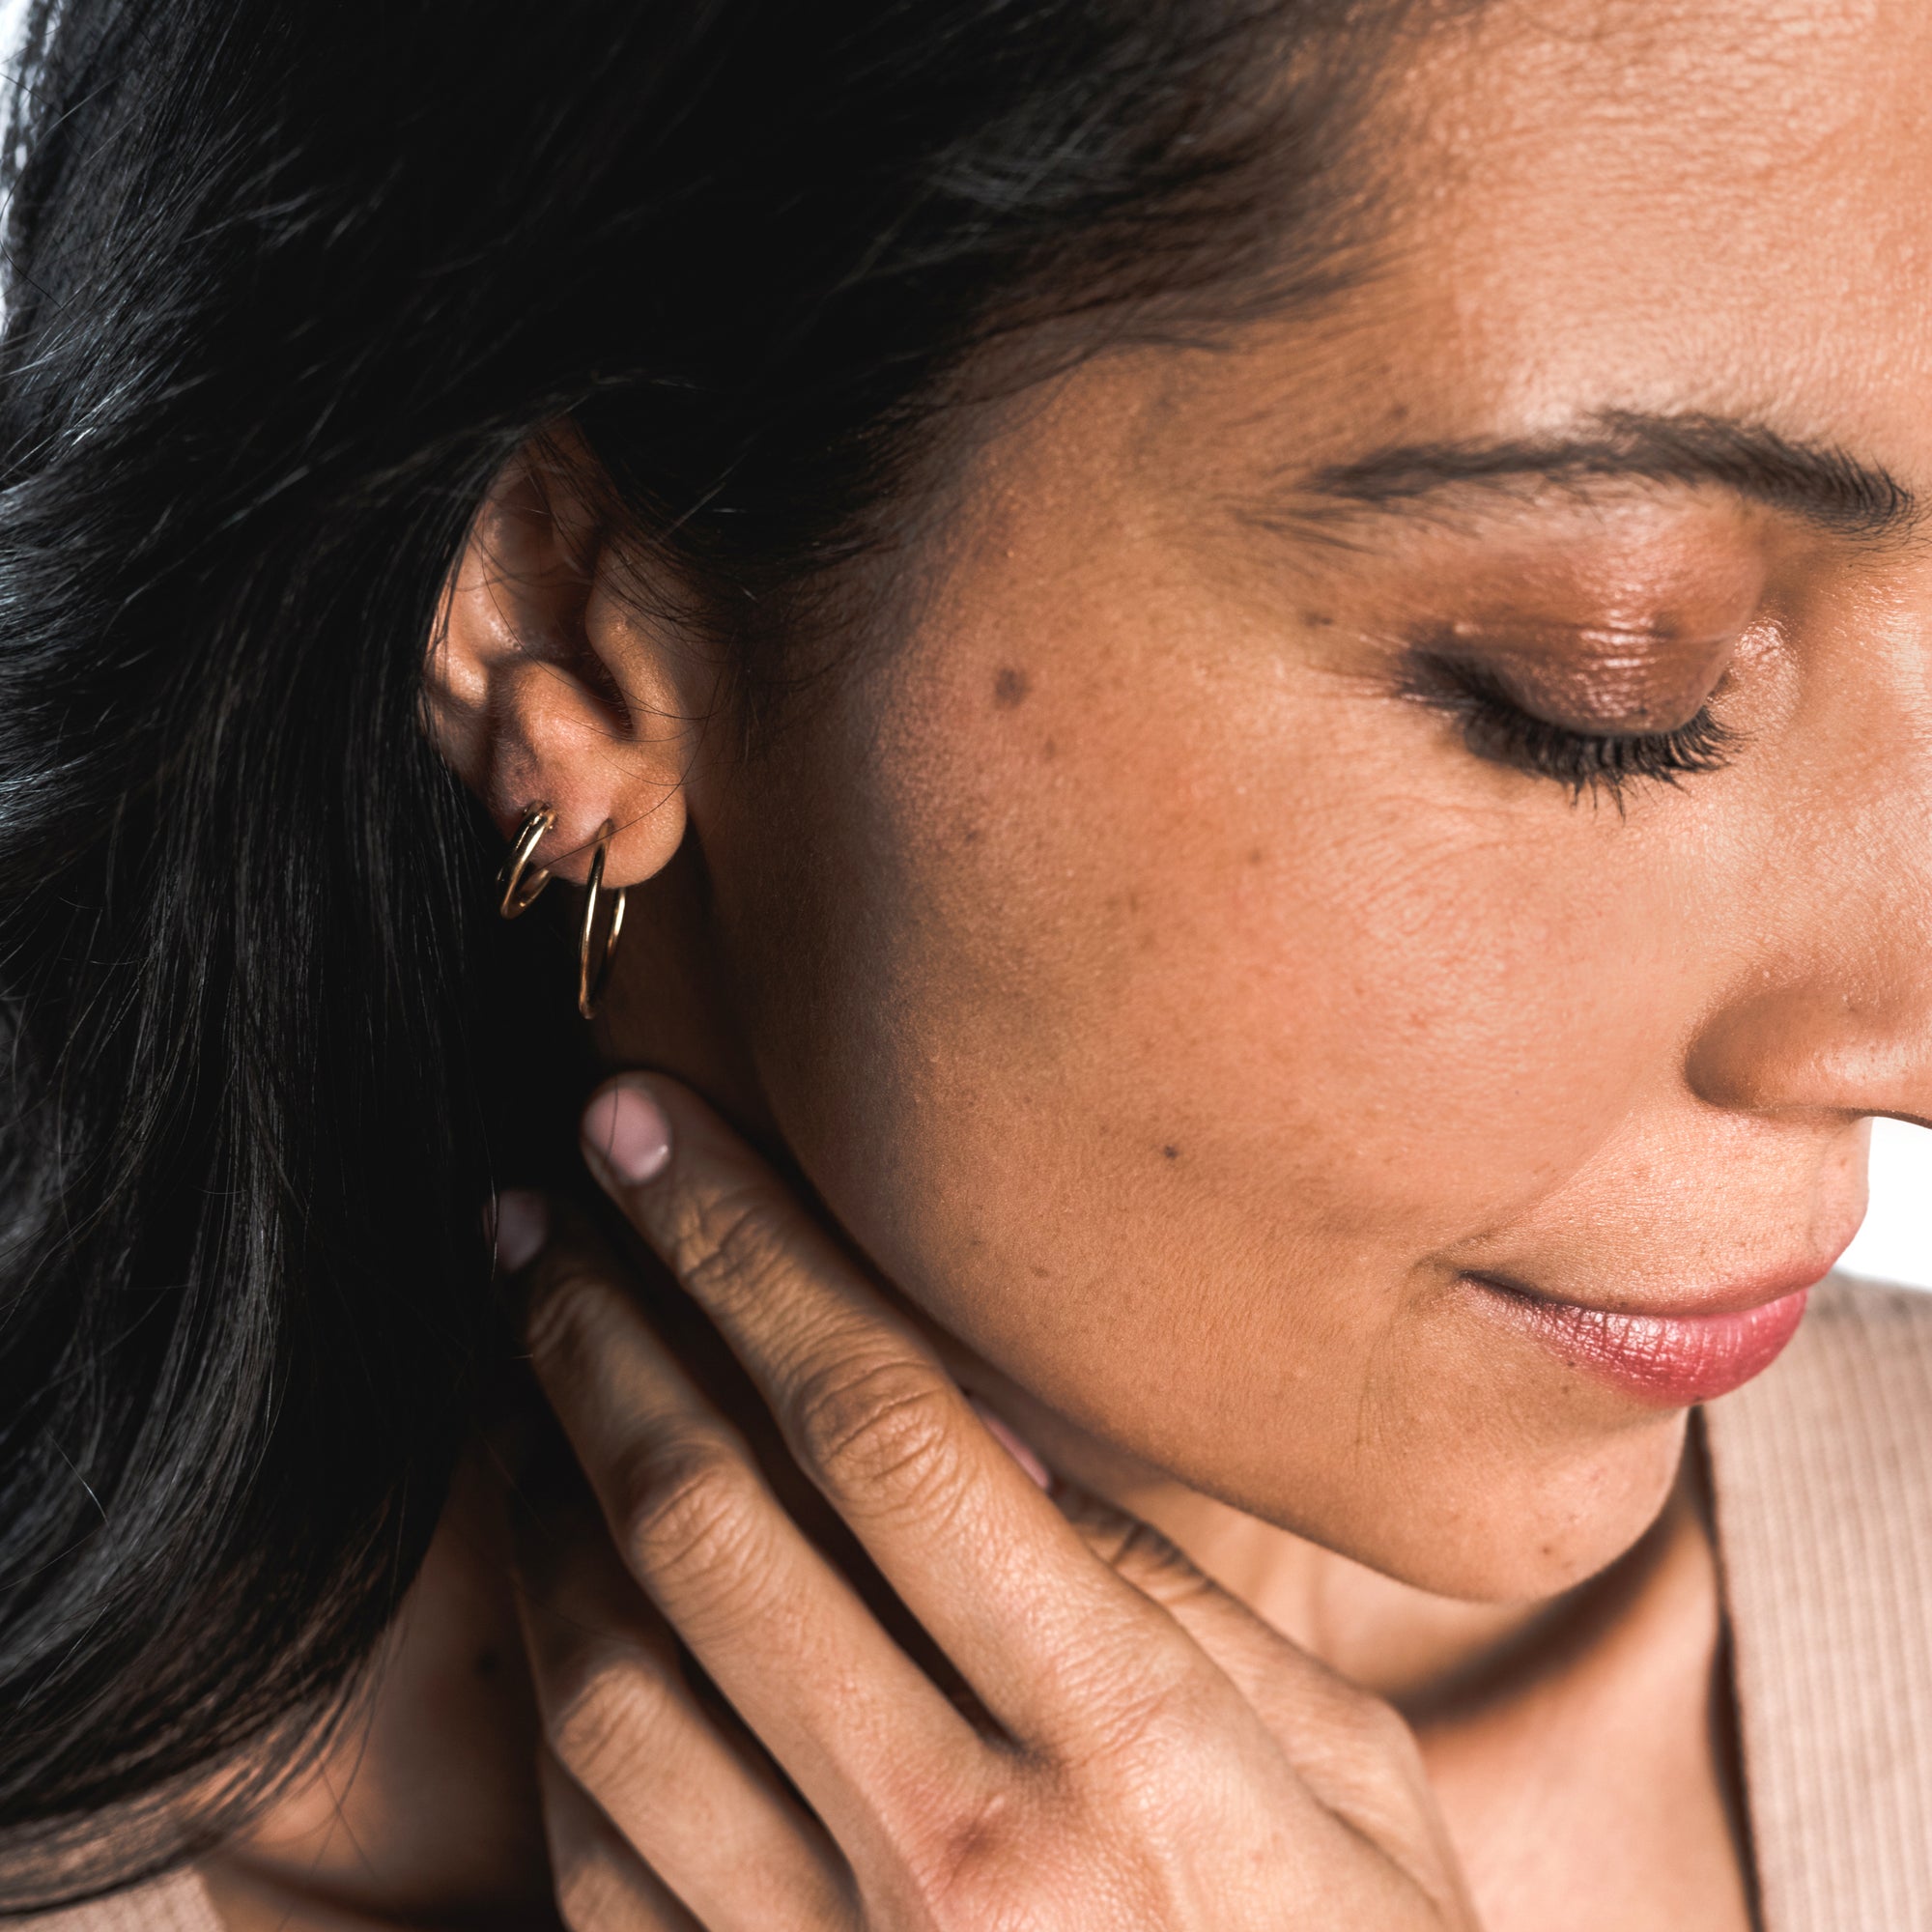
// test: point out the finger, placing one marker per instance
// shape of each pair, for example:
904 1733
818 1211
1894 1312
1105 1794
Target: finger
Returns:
601 1883
1274 1675
1045 1635
1352 1748
696 1804
854 1722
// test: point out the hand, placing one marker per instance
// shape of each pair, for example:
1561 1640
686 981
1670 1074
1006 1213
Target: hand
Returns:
1138 1749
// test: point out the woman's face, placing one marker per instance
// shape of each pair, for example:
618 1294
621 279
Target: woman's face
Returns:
1185 965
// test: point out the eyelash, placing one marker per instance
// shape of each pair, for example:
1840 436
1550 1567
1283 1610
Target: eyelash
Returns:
1496 729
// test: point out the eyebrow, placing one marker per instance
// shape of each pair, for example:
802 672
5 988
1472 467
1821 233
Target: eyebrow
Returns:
1817 482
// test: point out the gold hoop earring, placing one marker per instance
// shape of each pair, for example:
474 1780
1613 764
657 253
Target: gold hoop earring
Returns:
519 892
590 983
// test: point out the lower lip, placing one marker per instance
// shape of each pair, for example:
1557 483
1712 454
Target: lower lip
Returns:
1672 1360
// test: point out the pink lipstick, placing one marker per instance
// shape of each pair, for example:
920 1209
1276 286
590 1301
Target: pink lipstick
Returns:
1672 1360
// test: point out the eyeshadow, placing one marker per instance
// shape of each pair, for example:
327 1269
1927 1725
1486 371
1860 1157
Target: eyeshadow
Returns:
1600 678
1627 630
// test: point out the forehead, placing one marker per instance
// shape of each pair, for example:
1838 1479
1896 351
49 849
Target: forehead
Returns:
1652 206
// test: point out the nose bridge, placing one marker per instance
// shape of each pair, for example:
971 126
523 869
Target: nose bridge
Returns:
1831 1005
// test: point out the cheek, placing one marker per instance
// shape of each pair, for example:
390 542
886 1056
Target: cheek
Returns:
1161 1006
1250 942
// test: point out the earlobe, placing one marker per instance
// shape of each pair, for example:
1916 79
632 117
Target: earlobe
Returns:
520 883
544 682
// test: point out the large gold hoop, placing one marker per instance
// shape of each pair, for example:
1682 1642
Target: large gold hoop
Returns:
589 982
518 888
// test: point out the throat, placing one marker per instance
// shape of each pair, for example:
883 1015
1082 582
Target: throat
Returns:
1582 1749
1416 1649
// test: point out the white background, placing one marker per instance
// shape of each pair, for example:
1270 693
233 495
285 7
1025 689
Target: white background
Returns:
1896 1243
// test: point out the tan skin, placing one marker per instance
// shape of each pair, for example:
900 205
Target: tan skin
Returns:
1175 1005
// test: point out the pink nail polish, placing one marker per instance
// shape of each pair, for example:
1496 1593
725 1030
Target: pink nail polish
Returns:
1019 1451
626 1130
522 1227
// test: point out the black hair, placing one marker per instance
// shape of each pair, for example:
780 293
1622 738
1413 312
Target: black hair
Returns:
286 286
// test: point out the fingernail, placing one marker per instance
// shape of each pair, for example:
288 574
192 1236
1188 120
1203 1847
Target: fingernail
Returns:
521 1227
627 1131
1019 1451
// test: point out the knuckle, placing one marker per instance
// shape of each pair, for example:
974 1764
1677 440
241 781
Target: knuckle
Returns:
592 1887
608 1718
691 1509
964 1862
1142 1556
996 1860
1155 1707
882 1424
1364 1730
1116 1540
728 1245
567 1317
1385 1733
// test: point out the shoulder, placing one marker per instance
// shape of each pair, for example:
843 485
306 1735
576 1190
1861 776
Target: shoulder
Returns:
1822 1484
1862 1361
1902 1316
178 1903
1860 1366
1844 1417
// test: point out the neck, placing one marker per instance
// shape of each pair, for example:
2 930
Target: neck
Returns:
1405 1645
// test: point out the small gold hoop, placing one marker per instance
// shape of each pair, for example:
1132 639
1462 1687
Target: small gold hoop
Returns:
519 890
590 983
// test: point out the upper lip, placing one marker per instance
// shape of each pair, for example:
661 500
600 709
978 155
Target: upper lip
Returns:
1733 1297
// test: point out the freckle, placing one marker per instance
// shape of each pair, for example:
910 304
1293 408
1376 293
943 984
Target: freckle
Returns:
1133 902
1010 687
1255 856
1318 620
1049 749
1040 1273
971 835
1170 1152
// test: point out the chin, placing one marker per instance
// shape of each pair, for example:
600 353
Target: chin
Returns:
1521 1535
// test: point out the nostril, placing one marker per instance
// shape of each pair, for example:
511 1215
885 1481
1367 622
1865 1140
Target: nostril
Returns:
1817 1047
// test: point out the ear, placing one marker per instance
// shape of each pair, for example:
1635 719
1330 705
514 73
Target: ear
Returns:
547 683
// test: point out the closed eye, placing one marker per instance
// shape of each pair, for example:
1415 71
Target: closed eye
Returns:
1497 729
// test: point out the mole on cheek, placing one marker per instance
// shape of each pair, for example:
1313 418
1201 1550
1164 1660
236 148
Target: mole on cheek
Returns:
1010 687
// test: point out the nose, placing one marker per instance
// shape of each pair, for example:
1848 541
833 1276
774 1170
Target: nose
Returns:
1827 1006
1823 1001
1822 1042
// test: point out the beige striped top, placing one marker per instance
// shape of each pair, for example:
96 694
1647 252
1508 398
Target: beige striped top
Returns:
1822 1471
